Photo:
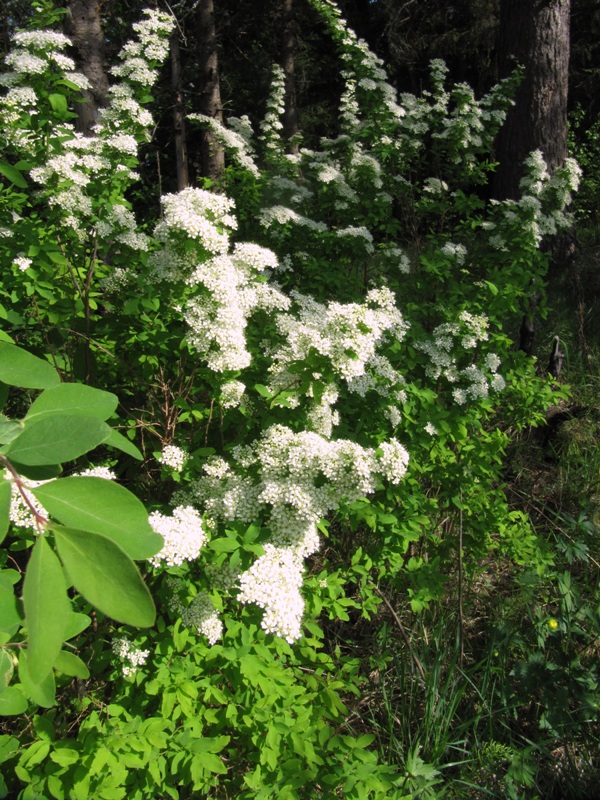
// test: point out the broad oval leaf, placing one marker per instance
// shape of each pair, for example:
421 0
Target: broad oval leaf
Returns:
104 507
47 609
13 175
76 624
57 438
43 693
12 702
58 102
73 398
106 576
21 368
120 442
70 664
44 472
9 430
5 495
9 614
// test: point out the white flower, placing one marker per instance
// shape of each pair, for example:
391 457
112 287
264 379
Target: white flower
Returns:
97 472
232 393
174 457
183 533
22 263
128 652
201 615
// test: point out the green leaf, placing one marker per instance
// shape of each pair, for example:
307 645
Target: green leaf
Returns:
104 507
9 615
20 368
6 668
58 103
5 495
44 693
9 430
13 175
73 398
70 664
76 624
12 702
262 390
47 609
43 472
116 440
57 438
106 576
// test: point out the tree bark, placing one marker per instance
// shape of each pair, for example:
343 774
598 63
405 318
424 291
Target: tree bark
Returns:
213 158
290 114
85 29
534 33
179 115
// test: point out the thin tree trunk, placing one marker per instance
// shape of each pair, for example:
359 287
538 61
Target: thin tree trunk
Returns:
290 115
213 159
85 28
179 115
534 33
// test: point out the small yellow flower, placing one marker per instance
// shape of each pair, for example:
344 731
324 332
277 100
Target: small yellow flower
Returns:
553 624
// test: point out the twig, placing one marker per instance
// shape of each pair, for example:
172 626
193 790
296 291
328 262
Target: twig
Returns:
402 630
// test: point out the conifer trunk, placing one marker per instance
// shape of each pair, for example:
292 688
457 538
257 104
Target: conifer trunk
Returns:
534 33
179 115
84 26
213 159
290 115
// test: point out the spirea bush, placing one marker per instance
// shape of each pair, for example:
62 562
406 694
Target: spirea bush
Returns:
316 364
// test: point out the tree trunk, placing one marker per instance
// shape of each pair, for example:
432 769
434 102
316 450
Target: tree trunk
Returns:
290 115
534 33
213 159
85 29
178 115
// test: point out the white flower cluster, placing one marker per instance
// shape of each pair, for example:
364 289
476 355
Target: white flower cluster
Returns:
174 457
271 125
541 210
218 316
134 656
348 335
237 145
228 288
21 511
358 233
201 615
201 215
297 479
281 215
75 164
37 52
184 536
97 472
232 393
22 262
451 342
140 58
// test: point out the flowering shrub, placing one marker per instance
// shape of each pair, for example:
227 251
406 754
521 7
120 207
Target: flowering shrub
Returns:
324 378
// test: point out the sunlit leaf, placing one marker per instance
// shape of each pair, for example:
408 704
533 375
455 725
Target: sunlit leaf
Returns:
47 609
20 368
57 438
106 576
70 664
73 398
104 507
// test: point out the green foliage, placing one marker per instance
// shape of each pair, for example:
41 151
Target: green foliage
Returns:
63 423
